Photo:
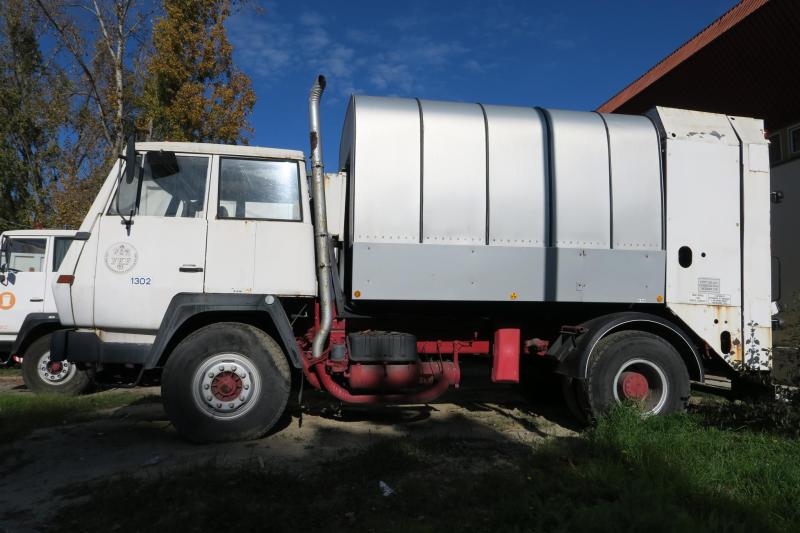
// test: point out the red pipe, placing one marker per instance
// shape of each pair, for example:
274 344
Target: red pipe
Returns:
396 377
311 377
340 393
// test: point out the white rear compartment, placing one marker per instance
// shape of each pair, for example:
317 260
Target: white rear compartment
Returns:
718 207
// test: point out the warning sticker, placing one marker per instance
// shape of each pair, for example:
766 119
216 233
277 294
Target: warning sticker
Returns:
709 299
696 298
719 299
708 285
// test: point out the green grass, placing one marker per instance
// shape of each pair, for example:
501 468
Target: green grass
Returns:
10 371
22 413
627 474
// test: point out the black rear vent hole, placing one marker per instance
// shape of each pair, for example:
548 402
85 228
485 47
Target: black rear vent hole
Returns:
685 256
725 341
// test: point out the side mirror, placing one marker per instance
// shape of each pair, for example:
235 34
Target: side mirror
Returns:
130 160
162 164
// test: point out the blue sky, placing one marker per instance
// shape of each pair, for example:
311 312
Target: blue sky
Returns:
572 55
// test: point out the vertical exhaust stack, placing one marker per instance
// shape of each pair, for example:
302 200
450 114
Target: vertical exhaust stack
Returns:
321 241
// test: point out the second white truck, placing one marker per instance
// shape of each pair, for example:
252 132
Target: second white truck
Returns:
29 262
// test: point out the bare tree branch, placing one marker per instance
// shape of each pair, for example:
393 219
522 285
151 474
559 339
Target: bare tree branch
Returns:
87 72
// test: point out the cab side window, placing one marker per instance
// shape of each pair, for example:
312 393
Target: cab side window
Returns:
258 189
176 192
25 255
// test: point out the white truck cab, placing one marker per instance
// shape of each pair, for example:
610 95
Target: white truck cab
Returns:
28 267
215 219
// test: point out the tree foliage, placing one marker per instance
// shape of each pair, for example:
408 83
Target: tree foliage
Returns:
32 111
100 44
193 90
75 75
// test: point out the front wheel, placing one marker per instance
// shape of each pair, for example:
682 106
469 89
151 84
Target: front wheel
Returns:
638 368
225 382
43 376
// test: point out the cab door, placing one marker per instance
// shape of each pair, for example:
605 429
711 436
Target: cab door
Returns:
141 266
260 237
22 291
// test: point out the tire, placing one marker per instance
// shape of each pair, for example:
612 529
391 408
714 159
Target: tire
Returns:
226 382
639 367
575 399
42 376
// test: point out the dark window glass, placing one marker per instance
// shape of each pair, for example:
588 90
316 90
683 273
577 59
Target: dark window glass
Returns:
794 140
775 153
60 248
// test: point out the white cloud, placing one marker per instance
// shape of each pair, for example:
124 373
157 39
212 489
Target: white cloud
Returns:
565 44
392 77
390 56
312 18
474 66
263 44
359 36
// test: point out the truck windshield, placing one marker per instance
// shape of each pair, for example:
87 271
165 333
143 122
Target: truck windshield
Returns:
25 255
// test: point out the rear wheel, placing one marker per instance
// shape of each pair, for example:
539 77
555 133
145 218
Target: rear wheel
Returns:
575 399
225 382
43 376
638 368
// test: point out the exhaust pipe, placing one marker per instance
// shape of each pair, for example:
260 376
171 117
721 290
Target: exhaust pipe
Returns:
321 242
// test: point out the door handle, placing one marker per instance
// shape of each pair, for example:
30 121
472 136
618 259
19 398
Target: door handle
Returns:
190 268
37 299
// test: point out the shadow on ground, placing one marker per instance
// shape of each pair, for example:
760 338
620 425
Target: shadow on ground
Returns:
475 479
480 459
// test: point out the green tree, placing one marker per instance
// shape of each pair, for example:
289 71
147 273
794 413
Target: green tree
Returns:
192 89
32 114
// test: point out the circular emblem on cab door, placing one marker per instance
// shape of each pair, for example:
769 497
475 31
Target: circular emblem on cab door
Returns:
121 257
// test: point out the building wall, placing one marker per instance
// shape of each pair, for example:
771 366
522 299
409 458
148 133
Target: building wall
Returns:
785 225
782 148
786 245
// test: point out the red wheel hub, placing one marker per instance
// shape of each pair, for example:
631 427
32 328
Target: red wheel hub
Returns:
634 386
54 367
226 386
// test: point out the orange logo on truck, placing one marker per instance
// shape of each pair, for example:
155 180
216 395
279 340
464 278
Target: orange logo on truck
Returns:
7 300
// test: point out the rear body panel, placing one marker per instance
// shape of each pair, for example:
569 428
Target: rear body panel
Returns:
718 207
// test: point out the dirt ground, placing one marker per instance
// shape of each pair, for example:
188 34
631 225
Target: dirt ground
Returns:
37 471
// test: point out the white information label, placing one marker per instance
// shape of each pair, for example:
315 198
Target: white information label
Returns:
697 298
719 299
708 285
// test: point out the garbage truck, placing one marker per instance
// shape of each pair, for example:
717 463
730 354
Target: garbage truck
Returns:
631 252
29 261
